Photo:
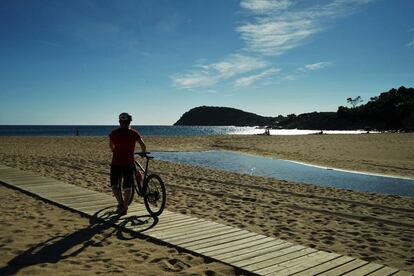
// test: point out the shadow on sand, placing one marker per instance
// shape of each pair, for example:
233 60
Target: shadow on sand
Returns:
60 248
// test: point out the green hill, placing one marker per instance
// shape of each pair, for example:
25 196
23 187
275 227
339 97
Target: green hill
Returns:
222 116
392 110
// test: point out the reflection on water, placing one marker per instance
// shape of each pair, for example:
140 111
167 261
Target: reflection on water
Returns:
291 171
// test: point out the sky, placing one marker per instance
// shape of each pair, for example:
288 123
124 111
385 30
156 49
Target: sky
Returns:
86 61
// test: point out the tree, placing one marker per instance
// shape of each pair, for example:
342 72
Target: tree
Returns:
355 101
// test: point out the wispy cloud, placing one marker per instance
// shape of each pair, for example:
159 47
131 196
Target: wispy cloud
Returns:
265 6
411 43
193 80
249 80
204 75
272 27
316 66
279 26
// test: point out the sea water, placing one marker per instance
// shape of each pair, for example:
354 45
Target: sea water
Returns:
292 171
150 130
104 130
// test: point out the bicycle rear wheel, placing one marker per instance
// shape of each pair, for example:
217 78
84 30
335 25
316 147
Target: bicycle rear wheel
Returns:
155 195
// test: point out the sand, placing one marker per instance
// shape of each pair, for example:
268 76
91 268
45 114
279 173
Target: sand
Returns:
372 227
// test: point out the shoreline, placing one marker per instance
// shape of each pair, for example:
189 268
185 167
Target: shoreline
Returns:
351 171
307 164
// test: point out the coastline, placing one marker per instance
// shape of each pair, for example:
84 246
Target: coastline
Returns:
369 226
351 171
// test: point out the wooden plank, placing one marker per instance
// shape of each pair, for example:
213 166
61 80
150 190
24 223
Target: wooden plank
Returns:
95 202
219 242
40 185
300 264
49 190
172 219
13 172
135 209
74 195
67 192
384 271
80 194
84 199
192 224
137 214
174 225
204 236
365 270
23 176
255 251
345 268
143 226
90 198
270 255
326 266
96 207
11 176
224 245
403 273
141 213
40 193
169 224
280 259
173 216
181 232
239 247
31 181
276 268
90 211
80 205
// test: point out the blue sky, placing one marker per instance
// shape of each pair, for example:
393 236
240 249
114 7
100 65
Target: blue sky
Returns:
84 62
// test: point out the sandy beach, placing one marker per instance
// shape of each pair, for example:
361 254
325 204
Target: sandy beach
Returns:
372 227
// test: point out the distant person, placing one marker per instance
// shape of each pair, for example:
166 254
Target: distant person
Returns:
122 142
77 132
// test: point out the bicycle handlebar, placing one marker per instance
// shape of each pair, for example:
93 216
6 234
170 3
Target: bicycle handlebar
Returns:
143 153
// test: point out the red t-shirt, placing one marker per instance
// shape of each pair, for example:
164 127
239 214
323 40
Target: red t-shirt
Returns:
124 141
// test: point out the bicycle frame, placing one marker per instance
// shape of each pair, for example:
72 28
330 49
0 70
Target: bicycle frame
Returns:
145 171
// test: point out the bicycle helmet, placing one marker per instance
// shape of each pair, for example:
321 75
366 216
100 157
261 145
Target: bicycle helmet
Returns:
125 117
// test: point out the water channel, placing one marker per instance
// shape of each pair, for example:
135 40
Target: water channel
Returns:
291 171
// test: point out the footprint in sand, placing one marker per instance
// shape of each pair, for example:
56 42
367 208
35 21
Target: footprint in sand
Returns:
142 255
209 273
173 265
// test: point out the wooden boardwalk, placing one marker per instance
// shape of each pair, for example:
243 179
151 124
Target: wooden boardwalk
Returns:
249 251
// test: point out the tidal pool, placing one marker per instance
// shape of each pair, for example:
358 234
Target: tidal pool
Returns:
291 171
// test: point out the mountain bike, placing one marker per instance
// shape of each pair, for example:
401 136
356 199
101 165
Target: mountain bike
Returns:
149 186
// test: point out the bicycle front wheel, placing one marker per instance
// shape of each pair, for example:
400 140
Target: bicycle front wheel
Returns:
155 195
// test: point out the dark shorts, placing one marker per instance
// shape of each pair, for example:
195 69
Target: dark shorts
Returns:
123 174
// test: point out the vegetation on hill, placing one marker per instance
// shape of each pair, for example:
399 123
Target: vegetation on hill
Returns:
392 110
222 116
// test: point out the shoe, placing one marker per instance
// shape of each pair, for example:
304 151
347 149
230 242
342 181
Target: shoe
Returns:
123 211
119 208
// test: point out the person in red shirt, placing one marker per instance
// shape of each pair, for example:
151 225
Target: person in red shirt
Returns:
122 142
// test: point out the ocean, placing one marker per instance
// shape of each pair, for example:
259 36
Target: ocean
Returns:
104 130
152 130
